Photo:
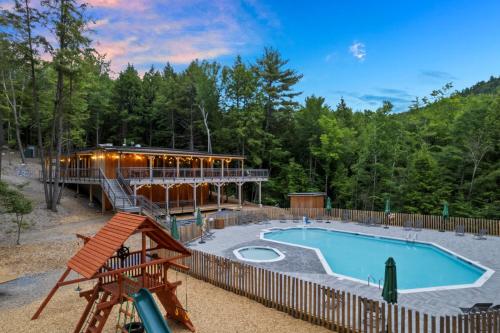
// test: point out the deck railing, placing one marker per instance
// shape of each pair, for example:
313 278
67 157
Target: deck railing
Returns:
173 173
84 174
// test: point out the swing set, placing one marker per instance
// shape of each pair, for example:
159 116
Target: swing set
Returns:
126 278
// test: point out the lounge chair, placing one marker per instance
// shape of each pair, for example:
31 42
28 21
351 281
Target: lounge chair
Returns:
481 234
418 225
478 307
376 222
408 225
459 230
346 217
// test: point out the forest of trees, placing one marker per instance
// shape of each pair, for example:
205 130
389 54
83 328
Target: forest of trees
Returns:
444 148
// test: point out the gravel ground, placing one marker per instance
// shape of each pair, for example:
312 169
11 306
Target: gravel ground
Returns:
211 310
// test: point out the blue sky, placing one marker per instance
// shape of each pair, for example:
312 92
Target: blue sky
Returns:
365 51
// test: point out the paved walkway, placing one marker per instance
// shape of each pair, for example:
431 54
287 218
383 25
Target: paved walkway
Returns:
304 263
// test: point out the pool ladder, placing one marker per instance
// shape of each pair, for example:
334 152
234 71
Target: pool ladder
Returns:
371 278
411 239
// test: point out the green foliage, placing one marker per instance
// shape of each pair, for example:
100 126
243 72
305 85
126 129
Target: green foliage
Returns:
445 147
14 202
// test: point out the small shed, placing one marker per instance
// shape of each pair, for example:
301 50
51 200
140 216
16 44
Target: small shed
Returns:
307 200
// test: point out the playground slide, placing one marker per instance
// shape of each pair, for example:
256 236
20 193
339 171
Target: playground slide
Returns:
150 314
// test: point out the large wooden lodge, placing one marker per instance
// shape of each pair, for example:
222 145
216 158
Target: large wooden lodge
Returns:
161 180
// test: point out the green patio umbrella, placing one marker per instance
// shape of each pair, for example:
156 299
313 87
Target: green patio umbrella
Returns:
387 209
446 215
199 223
328 204
390 291
199 218
174 231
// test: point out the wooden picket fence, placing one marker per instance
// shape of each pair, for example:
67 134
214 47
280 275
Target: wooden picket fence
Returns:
336 310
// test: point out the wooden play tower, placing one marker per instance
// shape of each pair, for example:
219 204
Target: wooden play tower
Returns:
119 273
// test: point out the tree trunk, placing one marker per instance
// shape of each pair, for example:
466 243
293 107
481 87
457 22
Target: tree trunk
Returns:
191 135
172 122
19 225
2 134
11 97
36 105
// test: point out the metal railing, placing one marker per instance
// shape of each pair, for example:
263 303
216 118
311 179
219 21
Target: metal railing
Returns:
119 200
173 173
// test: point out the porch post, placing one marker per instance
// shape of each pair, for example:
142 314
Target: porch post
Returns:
222 168
77 169
177 166
201 167
103 200
135 195
194 197
151 161
218 196
239 194
260 194
167 199
90 194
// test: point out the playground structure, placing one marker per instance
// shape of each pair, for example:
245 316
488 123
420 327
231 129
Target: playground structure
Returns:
123 277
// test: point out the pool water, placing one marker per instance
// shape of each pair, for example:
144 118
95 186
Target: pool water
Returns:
419 265
258 253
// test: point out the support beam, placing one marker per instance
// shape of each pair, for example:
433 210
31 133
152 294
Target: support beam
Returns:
90 195
103 200
260 194
51 293
201 167
239 194
218 196
194 197
177 166
135 195
151 162
167 199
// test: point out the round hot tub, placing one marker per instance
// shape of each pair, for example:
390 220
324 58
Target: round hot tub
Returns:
258 254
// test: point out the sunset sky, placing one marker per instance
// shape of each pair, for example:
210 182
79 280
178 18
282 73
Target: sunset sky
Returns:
366 51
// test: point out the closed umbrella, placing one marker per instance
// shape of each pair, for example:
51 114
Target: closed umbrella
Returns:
328 205
446 215
174 231
199 223
387 211
390 291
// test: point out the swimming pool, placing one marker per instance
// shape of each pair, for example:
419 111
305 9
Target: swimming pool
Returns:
420 266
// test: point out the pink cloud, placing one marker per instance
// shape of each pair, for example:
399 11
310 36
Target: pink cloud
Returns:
178 32
131 5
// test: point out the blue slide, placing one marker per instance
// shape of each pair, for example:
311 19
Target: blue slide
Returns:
150 314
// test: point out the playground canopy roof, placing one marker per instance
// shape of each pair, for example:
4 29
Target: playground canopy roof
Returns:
98 249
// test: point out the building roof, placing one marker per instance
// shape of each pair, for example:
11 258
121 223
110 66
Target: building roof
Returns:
307 194
95 253
158 151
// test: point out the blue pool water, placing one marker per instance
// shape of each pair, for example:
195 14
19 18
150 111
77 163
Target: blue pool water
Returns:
419 265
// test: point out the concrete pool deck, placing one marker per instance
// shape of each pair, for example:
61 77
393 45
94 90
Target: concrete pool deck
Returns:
304 263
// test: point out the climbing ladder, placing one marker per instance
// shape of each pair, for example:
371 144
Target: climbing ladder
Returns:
100 314
127 311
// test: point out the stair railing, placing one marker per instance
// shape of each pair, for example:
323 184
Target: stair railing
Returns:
118 201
